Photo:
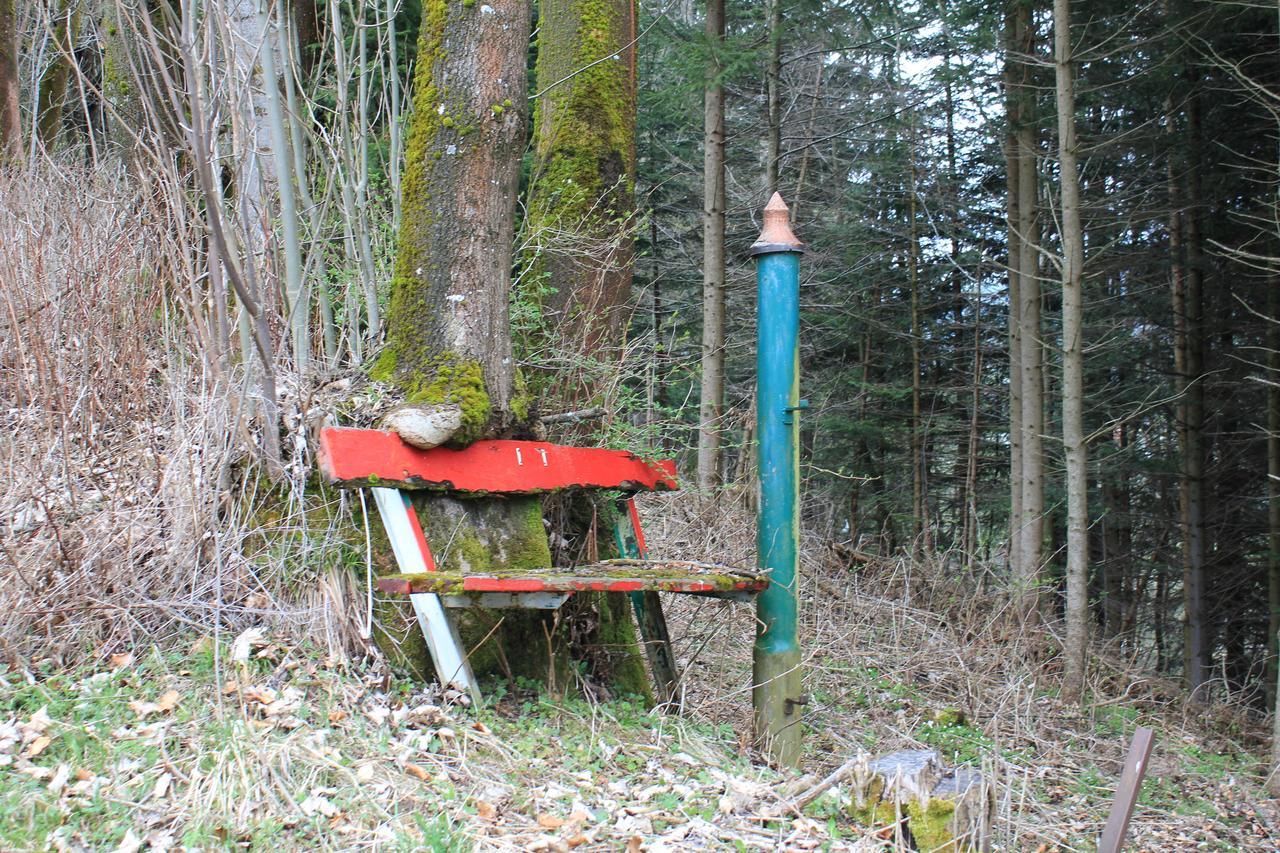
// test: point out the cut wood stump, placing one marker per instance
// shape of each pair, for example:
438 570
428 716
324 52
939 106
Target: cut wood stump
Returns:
928 805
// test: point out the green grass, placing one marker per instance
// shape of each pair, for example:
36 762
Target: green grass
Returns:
232 776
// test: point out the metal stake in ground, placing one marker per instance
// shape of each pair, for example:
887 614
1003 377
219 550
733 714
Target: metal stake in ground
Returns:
776 695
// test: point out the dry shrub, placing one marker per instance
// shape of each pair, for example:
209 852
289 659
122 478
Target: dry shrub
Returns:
128 508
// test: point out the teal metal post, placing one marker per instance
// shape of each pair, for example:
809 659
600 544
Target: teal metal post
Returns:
776 694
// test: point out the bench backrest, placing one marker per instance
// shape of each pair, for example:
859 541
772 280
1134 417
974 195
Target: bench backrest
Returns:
361 458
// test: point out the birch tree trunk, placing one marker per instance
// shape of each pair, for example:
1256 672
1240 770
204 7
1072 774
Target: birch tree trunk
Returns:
713 204
10 114
1073 435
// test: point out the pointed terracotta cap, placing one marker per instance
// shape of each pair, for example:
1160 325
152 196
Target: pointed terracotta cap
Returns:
776 236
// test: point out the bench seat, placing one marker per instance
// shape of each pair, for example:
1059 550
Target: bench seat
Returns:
605 576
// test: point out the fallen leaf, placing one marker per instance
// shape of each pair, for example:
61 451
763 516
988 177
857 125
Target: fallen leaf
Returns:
130 843
37 746
59 780
83 775
337 715
243 645
547 821
364 773
316 804
166 703
417 772
230 687
576 840
119 661
35 726
634 844
485 810
162 786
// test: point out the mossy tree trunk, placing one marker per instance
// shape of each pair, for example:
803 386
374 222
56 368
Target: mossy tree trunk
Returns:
10 114
448 334
582 188
581 216
53 82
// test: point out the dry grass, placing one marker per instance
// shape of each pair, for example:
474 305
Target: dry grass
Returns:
895 648
128 501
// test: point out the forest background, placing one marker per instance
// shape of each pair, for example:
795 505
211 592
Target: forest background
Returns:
1022 244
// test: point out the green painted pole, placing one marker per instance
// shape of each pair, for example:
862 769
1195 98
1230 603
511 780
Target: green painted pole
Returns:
776 693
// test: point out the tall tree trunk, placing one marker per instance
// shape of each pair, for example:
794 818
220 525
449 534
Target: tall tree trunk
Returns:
1273 521
773 87
1116 538
713 204
1031 348
1186 287
53 82
1012 99
1073 436
582 186
1193 582
448 333
1273 487
10 113
919 521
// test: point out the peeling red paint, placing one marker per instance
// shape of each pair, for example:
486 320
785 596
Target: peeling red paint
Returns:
366 457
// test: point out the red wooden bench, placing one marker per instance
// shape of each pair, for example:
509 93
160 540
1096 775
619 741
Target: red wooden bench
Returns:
381 462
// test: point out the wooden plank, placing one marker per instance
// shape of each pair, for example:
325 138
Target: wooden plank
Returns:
1135 767
609 576
499 600
647 605
356 458
412 555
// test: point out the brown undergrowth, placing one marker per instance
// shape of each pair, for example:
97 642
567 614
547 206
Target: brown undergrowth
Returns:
911 654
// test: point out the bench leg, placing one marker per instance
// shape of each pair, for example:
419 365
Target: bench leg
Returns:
413 556
648 608
445 645
657 646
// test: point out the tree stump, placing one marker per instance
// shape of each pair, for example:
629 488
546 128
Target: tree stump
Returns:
930 806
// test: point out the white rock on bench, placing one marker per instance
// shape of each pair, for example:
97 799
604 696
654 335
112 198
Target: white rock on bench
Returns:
424 427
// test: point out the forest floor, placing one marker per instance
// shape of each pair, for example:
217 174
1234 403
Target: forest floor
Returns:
191 746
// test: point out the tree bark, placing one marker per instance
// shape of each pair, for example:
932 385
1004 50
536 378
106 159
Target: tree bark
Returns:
1273 491
448 334
1031 536
1012 98
1185 287
1073 435
53 82
773 86
582 187
1273 521
1196 649
919 522
10 114
582 192
713 208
